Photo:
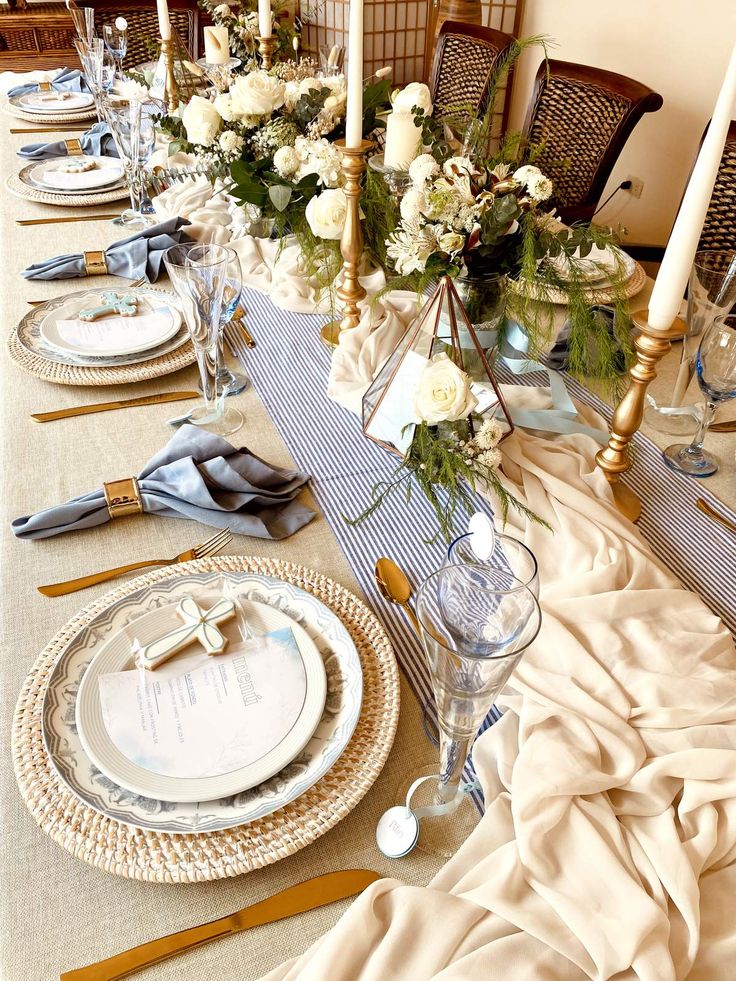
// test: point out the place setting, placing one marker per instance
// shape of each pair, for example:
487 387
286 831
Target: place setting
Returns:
404 596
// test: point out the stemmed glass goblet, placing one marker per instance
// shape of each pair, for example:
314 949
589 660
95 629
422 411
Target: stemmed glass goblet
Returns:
230 382
199 274
715 365
116 39
134 133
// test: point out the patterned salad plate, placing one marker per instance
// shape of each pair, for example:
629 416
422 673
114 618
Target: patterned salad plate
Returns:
317 628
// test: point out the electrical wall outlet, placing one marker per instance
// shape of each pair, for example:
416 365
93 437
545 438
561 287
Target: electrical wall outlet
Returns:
637 186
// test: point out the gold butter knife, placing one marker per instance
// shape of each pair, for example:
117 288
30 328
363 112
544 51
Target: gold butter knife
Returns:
312 894
86 410
60 221
702 505
69 128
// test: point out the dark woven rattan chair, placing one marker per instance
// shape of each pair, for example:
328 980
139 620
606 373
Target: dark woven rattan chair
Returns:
142 21
582 118
719 230
465 59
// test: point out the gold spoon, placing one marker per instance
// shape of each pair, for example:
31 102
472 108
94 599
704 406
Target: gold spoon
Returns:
396 588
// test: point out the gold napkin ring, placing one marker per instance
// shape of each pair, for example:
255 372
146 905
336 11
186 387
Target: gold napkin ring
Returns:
95 263
44 86
123 497
73 148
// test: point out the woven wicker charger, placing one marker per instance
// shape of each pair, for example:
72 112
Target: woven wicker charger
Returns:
52 117
604 294
145 855
16 186
124 374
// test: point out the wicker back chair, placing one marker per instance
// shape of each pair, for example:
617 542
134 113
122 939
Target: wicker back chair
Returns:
142 21
465 59
719 230
582 117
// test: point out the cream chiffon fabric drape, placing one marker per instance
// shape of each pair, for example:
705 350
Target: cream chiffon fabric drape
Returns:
608 842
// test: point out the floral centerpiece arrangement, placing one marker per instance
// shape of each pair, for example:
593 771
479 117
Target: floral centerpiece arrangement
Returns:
240 17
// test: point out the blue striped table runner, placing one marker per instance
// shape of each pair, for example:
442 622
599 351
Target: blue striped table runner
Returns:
289 370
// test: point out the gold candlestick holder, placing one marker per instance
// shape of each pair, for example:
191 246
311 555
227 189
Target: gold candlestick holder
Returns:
172 94
351 243
614 460
266 47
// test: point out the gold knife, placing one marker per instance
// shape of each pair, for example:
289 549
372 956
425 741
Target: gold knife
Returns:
60 221
313 893
702 505
85 410
54 129
723 427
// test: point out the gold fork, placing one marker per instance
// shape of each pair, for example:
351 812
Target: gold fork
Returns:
212 545
130 286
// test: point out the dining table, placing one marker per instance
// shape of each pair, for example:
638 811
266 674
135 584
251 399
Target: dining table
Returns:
58 912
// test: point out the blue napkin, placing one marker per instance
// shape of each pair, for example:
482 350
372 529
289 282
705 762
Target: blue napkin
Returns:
199 476
140 255
97 142
68 80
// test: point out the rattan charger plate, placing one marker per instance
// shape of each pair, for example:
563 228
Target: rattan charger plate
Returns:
51 117
21 190
148 856
124 374
604 294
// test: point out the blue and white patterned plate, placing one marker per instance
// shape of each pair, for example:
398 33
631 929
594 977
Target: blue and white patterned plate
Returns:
340 716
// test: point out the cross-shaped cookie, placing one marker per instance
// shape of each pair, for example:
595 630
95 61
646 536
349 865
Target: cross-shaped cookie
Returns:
124 305
200 625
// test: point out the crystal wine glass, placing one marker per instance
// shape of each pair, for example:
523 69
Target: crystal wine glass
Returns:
509 556
476 621
711 293
199 274
116 40
229 382
91 57
715 365
134 133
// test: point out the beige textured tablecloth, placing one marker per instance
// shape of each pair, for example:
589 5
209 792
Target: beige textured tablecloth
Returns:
56 912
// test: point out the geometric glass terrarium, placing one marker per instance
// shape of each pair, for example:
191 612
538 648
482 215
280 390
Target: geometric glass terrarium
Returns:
441 327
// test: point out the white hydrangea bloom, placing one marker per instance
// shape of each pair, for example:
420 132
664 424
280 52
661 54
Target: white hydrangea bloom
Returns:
422 169
319 157
286 161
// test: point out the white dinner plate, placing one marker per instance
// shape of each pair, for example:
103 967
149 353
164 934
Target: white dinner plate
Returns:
597 266
287 739
162 322
50 174
339 718
42 102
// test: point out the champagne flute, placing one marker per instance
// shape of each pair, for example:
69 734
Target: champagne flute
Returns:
134 133
199 274
715 365
116 39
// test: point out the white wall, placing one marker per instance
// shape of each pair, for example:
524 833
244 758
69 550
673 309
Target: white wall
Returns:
680 48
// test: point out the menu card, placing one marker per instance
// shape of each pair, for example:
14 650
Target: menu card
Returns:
223 714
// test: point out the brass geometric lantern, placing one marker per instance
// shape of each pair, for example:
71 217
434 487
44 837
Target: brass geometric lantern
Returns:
441 327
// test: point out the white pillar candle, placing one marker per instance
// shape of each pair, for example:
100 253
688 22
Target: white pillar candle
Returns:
264 18
673 274
403 140
354 111
164 25
216 45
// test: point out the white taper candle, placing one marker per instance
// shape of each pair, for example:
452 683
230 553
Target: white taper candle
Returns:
354 112
164 25
264 18
673 274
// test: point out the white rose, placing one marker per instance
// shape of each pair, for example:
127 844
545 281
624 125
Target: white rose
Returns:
326 213
224 106
307 84
256 94
443 393
223 11
415 94
201 121
285 161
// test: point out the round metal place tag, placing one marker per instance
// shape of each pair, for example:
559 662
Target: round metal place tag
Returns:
397 832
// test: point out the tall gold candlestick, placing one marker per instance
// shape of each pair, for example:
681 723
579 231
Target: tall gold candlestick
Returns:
351 243
172 95
614 460
266 46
